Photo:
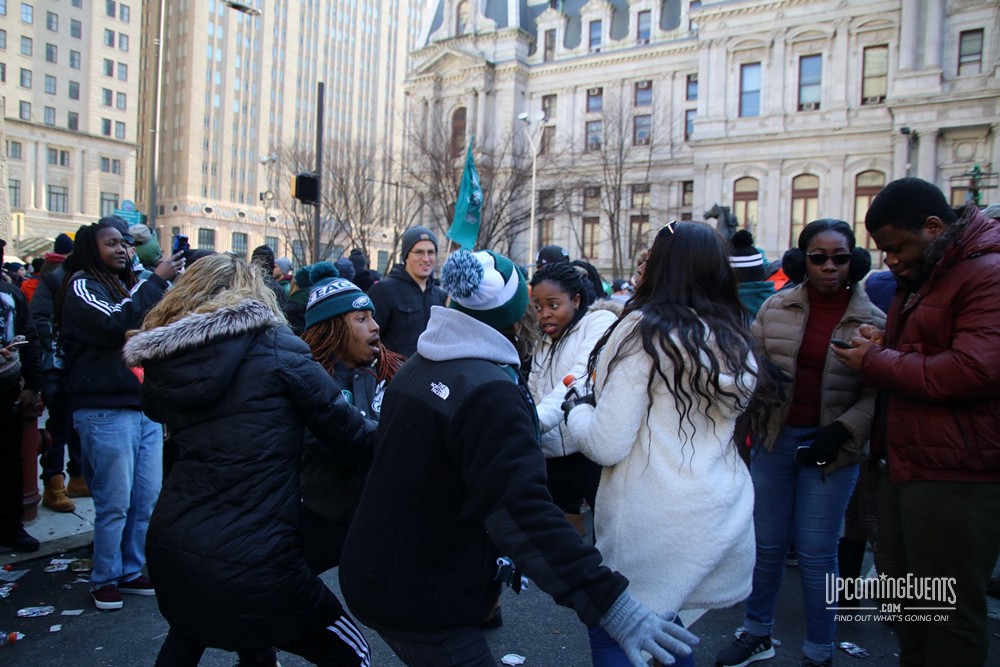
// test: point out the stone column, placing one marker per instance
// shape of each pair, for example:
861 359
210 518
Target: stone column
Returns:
932 34
927 167
38 186
909 16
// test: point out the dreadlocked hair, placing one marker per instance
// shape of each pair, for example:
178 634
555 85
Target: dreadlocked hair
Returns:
87 258
331 336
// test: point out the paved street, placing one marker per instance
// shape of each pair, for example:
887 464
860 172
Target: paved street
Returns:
534 627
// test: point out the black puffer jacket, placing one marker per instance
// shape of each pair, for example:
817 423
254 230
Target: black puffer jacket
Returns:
236 389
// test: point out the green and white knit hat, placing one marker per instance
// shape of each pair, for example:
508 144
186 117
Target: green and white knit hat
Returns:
332 295
486 286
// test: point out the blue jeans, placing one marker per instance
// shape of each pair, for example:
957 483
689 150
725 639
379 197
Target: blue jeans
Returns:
605 651
123 466
792 502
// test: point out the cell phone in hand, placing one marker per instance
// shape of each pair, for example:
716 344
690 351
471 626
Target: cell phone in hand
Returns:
843 344
180 244
803 457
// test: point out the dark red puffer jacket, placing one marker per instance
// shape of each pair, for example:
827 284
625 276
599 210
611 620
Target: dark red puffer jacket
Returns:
940 414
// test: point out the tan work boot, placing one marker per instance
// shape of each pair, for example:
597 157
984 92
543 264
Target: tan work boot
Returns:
55 497
77 488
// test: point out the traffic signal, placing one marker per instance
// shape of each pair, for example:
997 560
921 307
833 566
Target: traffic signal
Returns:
305 188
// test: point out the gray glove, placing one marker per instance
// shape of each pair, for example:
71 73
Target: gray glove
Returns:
636 628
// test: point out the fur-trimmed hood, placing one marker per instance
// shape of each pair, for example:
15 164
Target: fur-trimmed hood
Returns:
196 330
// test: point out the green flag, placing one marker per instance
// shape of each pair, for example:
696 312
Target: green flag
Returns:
468 207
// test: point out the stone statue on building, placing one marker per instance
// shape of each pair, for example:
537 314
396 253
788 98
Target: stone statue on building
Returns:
726 222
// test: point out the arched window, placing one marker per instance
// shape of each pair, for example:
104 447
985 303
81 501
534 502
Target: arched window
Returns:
461 17
745 202
866 185
805 203
457 132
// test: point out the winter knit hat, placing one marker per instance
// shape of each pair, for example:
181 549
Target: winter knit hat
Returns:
412 237
146 245
551 254
120 225
263 257
63 244
302 278
285 264
346 268
746 261
487 286
332 295
359 260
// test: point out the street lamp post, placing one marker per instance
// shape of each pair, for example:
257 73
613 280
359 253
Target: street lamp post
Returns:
532 136
267 196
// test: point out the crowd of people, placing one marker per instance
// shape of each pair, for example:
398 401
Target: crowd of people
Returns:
247 426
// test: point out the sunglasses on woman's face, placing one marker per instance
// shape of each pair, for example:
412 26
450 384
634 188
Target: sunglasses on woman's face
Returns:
819 258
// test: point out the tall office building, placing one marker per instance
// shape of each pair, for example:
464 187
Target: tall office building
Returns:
69 74
237 91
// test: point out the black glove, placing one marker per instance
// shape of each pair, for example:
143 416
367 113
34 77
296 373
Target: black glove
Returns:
827 442
571 403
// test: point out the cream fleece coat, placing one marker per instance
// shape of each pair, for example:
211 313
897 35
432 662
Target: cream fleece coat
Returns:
551 364
674 514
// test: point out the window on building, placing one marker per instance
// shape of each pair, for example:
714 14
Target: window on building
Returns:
3 7
75 29
549 52
546 202
24 110
51 53
643 95
595 100
109 67
594 132
58 157
72 121
124 13
240 244
805 203
592 199
687 193
644 26
3 39
106 165
745 202
642 128
119 130
549 106
875 74
49 115
121 100
689 116
457 132
640 195
691 90
50 84
77 3
122 72
106 96
970 52
122 42
52 21
27 46
206 238
750 90
109 202
14 150
109 37
116 166
595 35
638 231
960 196
591 237
74 90
27 13
106 127
74 59
25 79
3 72
866 185
810 82
548 139
14 192
109 8
58 199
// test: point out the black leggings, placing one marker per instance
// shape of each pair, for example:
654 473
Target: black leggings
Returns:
340 644
571 479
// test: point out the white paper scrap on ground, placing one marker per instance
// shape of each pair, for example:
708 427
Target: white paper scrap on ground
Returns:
71 612
55 628
513 659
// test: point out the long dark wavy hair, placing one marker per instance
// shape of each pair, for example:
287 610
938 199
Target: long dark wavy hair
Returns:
687 297
87 258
